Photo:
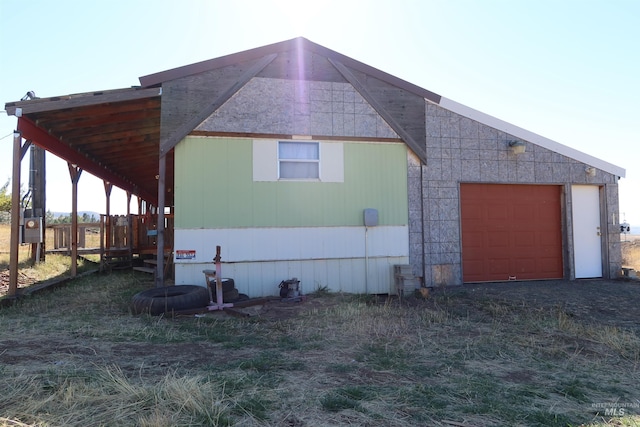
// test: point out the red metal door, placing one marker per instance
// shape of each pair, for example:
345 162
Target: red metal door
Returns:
511 232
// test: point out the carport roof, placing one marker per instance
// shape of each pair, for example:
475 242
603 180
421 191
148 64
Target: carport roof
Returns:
111 134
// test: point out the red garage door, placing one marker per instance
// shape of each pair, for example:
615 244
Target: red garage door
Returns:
511 232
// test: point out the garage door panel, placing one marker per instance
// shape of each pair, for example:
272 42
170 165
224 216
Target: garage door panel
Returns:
511 232
475 239
498 267
497 240
524 239
548 238
550 265
522 266
523 213
500 212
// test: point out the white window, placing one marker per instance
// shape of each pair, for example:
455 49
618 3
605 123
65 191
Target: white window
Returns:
298 160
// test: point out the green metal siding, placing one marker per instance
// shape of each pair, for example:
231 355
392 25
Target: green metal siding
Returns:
214 188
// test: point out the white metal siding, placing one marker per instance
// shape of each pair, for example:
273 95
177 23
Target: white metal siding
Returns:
258 258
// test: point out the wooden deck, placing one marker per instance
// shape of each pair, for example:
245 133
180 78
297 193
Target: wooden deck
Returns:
123 240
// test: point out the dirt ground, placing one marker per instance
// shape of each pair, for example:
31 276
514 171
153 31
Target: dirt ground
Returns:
615 303
607 302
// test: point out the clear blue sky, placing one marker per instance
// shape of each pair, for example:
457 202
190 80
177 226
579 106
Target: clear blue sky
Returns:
567 70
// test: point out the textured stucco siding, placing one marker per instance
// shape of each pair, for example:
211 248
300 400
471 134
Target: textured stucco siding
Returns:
296 107
460 149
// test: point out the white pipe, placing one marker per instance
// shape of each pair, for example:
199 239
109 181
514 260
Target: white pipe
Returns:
366 260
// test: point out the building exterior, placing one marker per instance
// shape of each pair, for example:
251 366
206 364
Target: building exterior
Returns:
301 162
281 173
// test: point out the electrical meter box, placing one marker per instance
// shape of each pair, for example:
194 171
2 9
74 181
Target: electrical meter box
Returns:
32 230
370 217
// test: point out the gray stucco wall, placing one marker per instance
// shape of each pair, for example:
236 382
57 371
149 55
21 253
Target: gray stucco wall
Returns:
296 107
462 150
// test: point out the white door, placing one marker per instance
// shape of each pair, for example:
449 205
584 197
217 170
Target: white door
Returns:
587 235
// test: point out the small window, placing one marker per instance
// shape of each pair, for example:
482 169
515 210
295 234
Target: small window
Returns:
298 160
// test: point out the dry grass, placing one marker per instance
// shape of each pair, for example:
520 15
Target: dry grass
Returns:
57 266
77 357
631 254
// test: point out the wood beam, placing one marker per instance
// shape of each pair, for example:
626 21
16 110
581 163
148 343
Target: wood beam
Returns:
178 134
151 104
63 123
74 172
419 149
15 215
80 100
107 224
24 148
50 143
108 131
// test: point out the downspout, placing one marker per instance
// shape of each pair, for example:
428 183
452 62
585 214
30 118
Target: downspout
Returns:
424 260
162 172
366 260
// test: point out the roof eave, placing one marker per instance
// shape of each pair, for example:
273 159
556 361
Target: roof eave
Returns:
39 105
519 132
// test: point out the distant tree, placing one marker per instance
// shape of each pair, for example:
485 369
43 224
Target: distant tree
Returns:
49 218
5 199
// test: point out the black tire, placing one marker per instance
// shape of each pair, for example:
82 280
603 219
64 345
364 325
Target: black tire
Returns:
170 298
242 297
228 285
230 296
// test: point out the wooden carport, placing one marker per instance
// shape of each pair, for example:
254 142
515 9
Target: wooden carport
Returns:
114 135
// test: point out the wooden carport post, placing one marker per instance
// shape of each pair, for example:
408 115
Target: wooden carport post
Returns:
162 172
128 203
107 219
74 172
15 214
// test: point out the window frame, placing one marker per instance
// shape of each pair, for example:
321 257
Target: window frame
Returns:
316 161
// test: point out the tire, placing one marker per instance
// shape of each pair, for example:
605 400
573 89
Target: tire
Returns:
170 298
242 297
229 296
228 285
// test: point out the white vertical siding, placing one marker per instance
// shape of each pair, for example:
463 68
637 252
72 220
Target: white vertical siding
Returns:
333 257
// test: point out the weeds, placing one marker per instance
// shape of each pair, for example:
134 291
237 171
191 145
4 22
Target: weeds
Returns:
76 356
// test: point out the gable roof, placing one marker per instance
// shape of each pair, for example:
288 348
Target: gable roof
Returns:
116 135
360 75
398 102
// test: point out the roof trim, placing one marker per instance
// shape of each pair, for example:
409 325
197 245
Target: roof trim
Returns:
40 105
408 139
530 136
179 134
299 43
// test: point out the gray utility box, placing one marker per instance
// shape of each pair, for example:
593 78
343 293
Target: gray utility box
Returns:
370 217
32 230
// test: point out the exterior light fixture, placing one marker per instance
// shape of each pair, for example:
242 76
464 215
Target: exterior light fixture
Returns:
517 147
29 95
590 170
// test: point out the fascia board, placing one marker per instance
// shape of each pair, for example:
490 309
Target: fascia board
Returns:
534 138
